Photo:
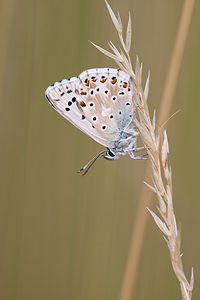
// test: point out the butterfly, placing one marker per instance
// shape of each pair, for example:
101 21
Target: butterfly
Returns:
100 102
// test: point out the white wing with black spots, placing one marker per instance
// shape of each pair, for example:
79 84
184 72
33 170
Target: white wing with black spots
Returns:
99 102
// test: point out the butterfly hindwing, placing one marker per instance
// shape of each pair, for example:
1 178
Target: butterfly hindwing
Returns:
107 95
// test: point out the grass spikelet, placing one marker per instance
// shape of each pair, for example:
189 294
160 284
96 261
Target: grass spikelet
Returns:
161 172
128 34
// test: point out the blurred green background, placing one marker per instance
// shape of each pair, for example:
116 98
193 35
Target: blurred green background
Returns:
64 236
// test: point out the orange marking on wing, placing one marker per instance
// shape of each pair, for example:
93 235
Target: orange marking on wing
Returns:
103 80
82 103
83 93
125 85
114 81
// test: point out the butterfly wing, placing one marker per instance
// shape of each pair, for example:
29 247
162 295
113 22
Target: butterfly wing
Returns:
99 102
64 98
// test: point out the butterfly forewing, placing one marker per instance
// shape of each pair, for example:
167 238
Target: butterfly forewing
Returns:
99 102
63 96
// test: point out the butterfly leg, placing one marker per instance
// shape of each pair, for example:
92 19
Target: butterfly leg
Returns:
138 157
144 156
140 149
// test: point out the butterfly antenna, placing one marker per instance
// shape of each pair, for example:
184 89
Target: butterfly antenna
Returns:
91 162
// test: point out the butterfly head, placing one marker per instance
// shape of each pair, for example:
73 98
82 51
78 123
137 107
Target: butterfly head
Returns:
110 154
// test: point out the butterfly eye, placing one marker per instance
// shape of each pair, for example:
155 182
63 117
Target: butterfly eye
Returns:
109 152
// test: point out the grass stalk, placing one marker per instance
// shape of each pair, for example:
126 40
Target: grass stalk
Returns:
158 154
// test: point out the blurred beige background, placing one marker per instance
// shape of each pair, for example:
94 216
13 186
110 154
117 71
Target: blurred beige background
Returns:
64 236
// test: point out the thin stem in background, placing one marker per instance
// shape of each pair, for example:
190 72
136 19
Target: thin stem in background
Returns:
7 10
